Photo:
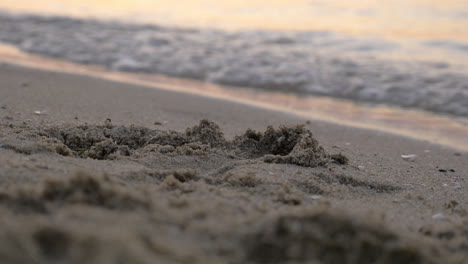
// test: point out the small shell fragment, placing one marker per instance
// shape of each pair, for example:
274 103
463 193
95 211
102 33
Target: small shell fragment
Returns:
39 113
438 216
409 157
316 197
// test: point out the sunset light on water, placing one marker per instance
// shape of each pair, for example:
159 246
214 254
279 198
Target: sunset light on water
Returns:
420 19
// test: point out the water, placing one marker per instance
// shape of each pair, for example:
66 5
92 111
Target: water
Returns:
320 63
394 19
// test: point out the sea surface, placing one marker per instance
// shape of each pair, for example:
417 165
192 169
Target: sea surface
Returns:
408 54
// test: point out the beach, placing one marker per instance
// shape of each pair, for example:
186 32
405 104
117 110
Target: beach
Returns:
306 63
98 171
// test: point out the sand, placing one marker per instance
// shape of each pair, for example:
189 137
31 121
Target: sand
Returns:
95 171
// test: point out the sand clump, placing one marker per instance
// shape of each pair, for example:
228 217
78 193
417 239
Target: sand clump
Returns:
53 243
206 132
279 141
100 141
330 237
291 145
454 238
80 189
26 140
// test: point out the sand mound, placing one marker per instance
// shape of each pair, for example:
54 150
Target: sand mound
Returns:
207 132
100 141
293 145
453 237
79 189
329 238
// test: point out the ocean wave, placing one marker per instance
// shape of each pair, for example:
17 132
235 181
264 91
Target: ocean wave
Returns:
321 63
448 44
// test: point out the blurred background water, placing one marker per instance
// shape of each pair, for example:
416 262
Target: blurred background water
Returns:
394 19
431 23
410 54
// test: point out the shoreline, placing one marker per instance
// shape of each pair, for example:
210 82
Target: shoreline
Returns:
445 130
315 63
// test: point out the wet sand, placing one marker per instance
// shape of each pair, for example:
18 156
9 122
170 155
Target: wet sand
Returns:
96 171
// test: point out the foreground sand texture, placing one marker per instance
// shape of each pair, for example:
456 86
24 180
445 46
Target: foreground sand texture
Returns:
99 172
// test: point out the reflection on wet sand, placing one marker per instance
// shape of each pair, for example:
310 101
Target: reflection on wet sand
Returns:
421 125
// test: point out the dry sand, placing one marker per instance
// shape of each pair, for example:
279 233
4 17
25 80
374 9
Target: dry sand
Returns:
94 171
